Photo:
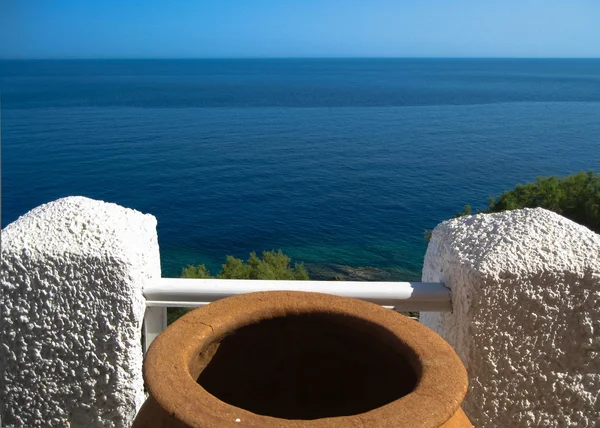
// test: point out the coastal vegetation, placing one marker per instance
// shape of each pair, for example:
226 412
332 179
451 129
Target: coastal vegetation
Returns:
271 265
576 197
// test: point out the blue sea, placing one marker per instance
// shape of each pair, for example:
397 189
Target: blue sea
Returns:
338 162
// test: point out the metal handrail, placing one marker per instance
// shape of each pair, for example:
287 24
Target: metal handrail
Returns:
184 292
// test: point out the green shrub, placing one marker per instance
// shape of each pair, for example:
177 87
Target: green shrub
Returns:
199 271
273 265
576 197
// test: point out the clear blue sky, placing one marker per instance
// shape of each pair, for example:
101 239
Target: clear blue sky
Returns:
298 28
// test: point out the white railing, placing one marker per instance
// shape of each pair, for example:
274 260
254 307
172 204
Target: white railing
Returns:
181 292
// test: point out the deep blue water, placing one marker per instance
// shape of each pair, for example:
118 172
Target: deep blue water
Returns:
333 161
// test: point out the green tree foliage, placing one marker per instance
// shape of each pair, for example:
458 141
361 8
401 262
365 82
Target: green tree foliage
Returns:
272 265
199 271
576 197
466 211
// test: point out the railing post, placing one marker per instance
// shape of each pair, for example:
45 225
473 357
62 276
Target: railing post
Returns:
526 291
71 279
155 321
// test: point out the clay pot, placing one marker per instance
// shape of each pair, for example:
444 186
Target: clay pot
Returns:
301 360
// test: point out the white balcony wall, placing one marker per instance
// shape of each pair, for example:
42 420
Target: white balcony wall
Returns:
526 316
72 311
525 290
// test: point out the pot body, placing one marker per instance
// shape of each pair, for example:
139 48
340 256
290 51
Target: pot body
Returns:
301 360
151 415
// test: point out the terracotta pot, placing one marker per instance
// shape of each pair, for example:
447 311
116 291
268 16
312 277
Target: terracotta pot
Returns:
301 360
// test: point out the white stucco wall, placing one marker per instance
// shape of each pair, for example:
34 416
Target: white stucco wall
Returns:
526 316
72 310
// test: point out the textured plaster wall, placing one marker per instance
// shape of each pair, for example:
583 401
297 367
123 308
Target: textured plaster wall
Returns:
72 309
526 316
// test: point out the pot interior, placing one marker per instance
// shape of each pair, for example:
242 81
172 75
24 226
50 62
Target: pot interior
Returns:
309 366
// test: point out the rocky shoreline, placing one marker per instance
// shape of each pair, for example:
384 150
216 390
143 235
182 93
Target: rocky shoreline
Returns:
336 272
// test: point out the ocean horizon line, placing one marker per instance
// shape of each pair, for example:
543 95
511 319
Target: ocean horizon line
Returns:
250 58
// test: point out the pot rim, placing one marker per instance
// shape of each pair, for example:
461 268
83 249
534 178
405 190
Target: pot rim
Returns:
441 384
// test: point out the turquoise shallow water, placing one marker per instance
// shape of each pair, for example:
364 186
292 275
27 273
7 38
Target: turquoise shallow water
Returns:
333 161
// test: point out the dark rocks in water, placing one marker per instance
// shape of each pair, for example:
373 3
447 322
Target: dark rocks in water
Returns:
335 272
